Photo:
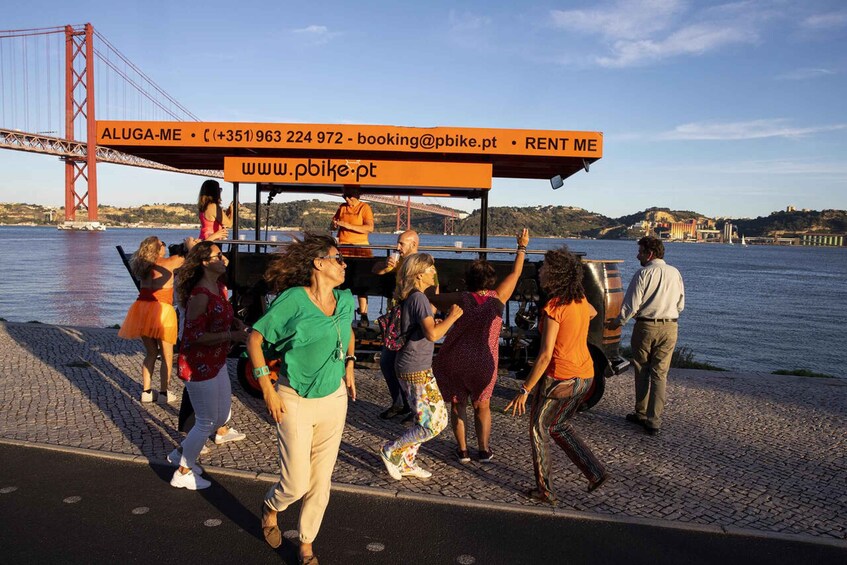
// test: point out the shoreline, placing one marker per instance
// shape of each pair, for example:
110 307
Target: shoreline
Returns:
289 229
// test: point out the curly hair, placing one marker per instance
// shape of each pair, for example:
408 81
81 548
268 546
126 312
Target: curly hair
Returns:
189 274
145 257
412 266
564 275
210 193
293 266
654 245
480 275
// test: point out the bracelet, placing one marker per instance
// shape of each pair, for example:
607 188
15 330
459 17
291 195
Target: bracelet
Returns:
521 248
524 390
259 372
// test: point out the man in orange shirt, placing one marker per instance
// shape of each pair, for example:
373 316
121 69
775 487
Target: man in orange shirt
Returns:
354 220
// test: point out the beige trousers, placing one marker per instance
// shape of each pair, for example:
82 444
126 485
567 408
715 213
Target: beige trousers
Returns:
653 344
309 437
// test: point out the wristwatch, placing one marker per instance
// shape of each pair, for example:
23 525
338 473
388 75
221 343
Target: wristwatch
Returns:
523 390
350 358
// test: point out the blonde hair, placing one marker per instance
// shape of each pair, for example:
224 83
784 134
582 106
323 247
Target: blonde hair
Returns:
145 257
412 266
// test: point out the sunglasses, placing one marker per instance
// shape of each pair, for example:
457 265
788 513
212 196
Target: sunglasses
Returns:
216 256
338 257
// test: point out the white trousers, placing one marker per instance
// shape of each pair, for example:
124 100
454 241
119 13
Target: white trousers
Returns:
212 400
309 437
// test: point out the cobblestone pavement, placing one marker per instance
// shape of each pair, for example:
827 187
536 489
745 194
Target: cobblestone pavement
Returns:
753 451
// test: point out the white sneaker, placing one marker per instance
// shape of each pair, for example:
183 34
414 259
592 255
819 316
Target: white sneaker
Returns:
393 470
166 398
417 472
205 449
189 480
231 435
147 396
174 458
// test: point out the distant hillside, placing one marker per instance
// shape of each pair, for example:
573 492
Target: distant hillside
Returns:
778 223
552 221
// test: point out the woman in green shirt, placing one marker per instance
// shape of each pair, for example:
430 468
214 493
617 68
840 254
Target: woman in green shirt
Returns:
308 328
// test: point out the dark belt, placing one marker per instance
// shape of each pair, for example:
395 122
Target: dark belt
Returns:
663 320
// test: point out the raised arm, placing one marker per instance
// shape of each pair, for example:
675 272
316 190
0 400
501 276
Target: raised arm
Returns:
433 331
507 286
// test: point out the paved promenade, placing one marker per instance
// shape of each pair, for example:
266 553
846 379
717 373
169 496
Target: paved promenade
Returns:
738 451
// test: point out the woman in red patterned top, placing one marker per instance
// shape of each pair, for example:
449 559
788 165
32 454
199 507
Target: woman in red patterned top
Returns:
466 364
210 330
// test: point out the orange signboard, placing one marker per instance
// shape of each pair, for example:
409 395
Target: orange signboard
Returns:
347 138
362 172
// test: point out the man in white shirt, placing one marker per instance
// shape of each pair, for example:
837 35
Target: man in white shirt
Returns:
655 297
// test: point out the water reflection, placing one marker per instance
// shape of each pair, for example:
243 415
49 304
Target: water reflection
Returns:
81 285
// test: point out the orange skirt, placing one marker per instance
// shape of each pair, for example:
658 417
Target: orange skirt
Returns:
149 317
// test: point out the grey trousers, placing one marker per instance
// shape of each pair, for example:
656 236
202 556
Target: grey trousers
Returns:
653 344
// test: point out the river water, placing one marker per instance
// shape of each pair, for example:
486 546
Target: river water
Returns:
754 308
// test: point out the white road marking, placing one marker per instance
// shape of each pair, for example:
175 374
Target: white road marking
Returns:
291 534
72 499
212 522
7 490
140 510
466 559
376 546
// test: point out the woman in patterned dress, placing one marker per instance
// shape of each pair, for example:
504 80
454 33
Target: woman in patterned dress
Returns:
466 364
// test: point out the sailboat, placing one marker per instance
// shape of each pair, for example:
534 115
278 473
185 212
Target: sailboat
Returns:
743 242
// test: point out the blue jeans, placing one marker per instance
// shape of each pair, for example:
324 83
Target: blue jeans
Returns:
386 365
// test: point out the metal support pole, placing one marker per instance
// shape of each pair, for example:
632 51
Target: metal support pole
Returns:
258 208
483 224
91 129
70 169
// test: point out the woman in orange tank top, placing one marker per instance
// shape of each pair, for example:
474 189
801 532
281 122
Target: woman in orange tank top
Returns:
152 316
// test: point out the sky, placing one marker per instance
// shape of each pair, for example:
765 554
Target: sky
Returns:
724 108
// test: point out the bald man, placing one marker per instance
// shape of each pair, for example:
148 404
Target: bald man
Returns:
407 244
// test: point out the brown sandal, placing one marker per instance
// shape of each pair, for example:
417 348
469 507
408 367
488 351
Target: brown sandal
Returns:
537 496
272 534
307 560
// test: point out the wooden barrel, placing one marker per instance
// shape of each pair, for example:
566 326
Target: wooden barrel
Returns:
604 288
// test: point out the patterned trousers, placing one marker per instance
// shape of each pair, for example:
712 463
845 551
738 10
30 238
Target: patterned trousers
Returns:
430 417
552 407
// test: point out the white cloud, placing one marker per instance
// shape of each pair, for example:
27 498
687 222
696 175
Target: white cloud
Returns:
831 20
315 34
625 20
692 40
805 74
753 129
467 21
647 31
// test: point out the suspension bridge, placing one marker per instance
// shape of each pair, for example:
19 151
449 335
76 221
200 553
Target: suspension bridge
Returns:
57 82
